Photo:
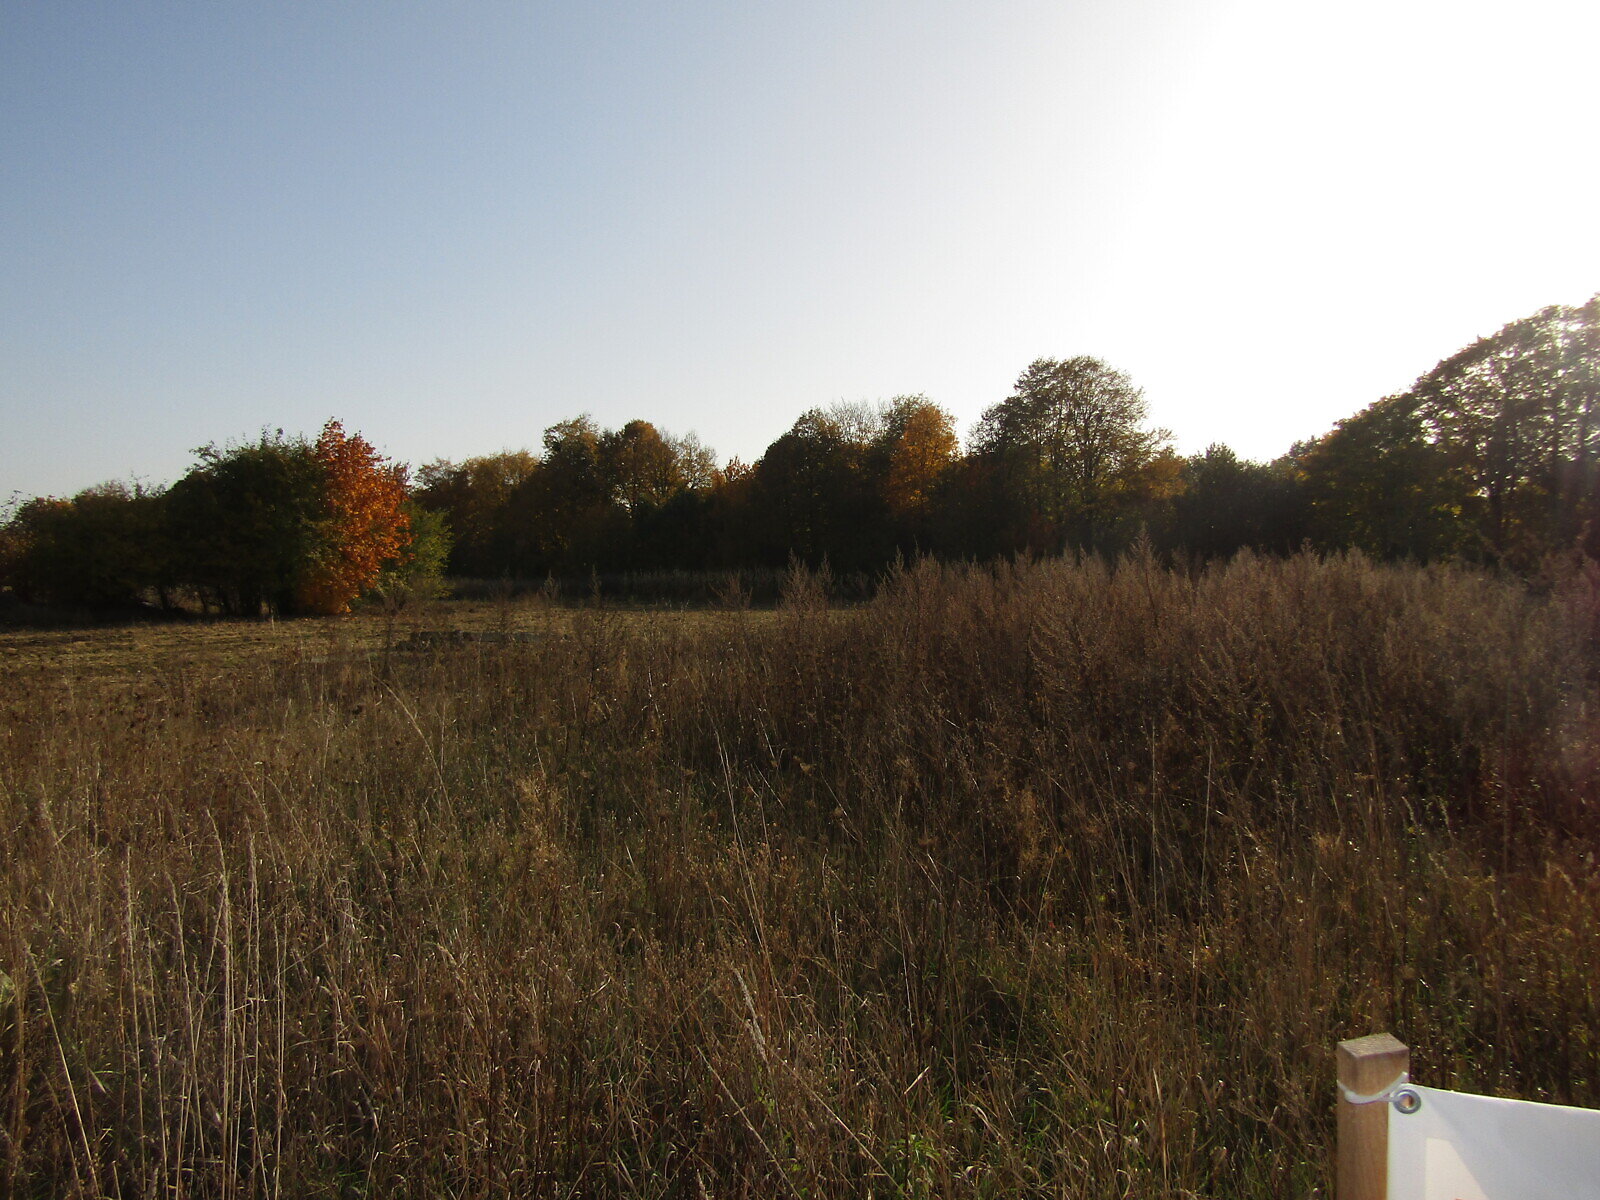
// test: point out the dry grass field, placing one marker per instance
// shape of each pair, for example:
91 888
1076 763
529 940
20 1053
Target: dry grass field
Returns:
128 652
1050 880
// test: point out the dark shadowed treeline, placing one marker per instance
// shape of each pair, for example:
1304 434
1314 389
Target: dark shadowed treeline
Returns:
285 524
1065 463
1492 457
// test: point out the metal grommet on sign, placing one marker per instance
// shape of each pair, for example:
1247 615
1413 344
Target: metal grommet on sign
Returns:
1383 1097
1406 1101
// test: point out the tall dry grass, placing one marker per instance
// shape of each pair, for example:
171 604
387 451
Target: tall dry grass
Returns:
1058 879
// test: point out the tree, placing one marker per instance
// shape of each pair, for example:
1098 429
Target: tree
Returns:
475 498
563 516
812 497
697 462
1069 446
1226 503
282 522
1518 413
102 549
418 572
641 466
916 449
364 525
1379 483
247 523
665 484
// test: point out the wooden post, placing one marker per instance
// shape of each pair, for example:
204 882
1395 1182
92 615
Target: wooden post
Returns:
1366 1065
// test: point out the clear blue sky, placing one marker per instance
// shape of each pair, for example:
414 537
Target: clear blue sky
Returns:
452 225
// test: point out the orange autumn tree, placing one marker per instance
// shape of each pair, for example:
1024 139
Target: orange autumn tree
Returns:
365 523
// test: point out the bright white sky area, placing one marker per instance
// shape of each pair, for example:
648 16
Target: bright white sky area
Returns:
452 225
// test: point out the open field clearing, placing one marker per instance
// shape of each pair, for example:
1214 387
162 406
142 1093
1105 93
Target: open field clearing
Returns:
1054 880
132 651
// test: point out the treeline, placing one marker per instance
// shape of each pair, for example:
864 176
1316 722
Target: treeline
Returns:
282 523
856 485
1491 457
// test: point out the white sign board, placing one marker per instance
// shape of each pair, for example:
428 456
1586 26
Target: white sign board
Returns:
1455 1146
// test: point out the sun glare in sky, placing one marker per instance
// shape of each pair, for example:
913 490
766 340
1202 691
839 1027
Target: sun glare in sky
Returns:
452 226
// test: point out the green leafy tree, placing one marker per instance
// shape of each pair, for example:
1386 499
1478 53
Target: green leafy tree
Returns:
284 523
813 496
1519 413
418 572
668 494
1225 504
103 549
248 521
1380 483
1070 452
563 516
474 497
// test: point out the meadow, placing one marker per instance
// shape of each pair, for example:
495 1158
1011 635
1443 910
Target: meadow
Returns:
1049 879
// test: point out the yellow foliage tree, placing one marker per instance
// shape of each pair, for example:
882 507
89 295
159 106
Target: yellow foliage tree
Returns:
919 444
